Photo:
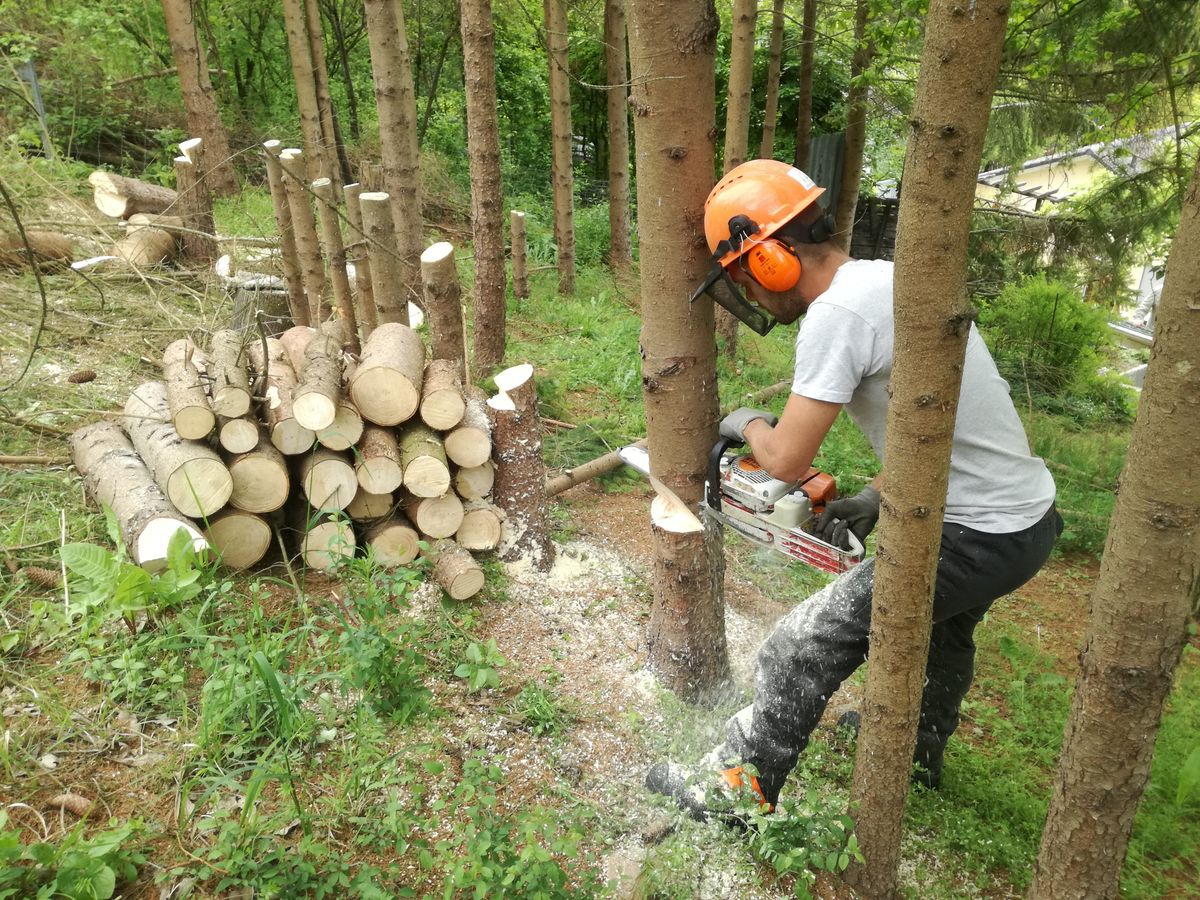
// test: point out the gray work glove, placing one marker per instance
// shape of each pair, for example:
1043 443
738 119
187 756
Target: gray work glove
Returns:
857 514
733 426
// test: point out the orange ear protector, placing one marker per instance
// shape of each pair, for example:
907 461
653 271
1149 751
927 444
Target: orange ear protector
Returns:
773 265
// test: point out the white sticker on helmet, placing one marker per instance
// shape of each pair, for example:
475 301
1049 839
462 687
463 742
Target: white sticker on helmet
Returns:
799 176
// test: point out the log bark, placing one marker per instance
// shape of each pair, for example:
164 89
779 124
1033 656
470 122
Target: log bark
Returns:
426 471
199 239
319 163
241 539
393 541
270 307
304 231
386 386
519 253
51 250
146 247
387 273
377 462
115 476
519 488
335 255
191 475
295 341
616 60
319 389
288 435
562 170
456 570
470 443
119 197
741 82
338 165
229 383
327 479
481 526
396 102
346 429
148 220
289 258
805 94
368 315
443 305
199 98
237 435
187 398
766 148
475 482
261 483
442 402
856 127
437 517
487 209
367 507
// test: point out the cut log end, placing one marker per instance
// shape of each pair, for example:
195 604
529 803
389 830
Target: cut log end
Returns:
314 411
150 548
327 544
384 398
437 252
345 431
241 539
200 487
291 438
512 378
393 543
456 571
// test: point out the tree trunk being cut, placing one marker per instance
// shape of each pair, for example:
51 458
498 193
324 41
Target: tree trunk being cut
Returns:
475 482
481 526
442 403
115 476
470 443
319 389
304 230
119 197
191 475
327 479
377 461
426 472
260 478
50 250
393 541
520 487
519 253
335 255
240 538
229 385
288 435
387 274
187 398
346 429
443 305
438 517
386 385
366 506
368 315
289 259
456 570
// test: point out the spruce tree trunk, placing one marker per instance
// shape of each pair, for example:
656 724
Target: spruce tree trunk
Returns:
856 127
334 148
766 149
959 66
396 102
560 123
672 48
616 58
1147 589
199 98
804 100
316 156
487 211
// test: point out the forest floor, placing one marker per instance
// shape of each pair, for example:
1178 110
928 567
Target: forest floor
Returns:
208 776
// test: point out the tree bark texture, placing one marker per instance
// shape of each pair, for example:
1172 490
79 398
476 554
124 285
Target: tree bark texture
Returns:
120 197
487 201
1149 586
275 370
318 161
387 274
804 99
443 306
339 165
397 104
560 124
199 241
289 259
672 50
856 127
766 149
520 266
335 255
368 316
199 99
616 61
304 230
959 66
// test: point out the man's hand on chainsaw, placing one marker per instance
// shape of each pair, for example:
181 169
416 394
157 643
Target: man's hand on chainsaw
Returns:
733 426
856 515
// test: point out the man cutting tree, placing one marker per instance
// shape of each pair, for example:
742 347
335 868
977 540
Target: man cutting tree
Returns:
770 237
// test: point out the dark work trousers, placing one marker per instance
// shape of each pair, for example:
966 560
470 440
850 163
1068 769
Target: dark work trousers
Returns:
817 646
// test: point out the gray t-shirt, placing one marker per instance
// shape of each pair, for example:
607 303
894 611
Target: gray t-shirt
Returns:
844 355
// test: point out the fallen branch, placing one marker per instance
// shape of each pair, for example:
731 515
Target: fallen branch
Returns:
33 460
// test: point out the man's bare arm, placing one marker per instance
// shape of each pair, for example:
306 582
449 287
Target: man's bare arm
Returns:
787 450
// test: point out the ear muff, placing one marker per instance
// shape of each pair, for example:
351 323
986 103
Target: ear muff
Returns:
773 265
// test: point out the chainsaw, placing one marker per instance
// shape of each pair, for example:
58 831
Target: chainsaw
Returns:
775 514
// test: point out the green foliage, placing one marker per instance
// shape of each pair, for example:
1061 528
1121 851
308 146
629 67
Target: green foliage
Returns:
541 711
803 838
77 867
481 668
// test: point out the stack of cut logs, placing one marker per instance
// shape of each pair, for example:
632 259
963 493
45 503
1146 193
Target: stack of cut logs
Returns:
332 433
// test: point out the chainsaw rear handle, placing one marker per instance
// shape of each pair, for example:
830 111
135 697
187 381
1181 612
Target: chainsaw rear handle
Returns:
712 485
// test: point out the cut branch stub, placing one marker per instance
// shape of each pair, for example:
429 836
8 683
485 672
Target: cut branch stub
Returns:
191 475
226 371
368 316
443 305
327 479
187 399
240 538
456 570
520 270
304 230
297 302
335 254
426 471
386 386
442 403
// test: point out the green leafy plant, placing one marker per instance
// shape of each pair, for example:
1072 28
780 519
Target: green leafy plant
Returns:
540 710
77 867
482 665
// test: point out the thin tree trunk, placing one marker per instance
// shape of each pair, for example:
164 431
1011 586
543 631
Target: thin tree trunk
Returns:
766 149
397 105
804 101
199 99
1147 589
487 211
672 48
959 66
560 123
616 59
856 127
329 127
343 55
317 161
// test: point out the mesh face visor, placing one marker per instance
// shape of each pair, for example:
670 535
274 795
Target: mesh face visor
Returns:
720 288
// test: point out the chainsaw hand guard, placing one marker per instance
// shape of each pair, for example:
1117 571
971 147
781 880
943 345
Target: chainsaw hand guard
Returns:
721 290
